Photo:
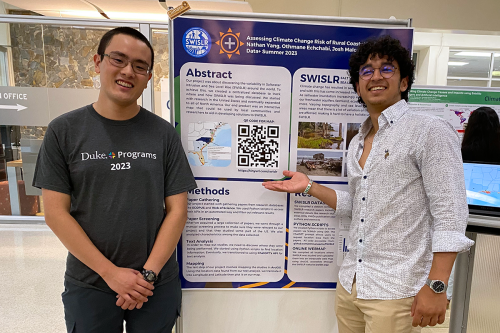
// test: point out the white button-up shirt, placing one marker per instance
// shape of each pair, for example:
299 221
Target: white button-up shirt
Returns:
408 202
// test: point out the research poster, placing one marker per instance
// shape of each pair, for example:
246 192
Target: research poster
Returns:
252 99
455 104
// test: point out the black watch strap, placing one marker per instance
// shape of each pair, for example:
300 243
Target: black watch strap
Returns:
149 275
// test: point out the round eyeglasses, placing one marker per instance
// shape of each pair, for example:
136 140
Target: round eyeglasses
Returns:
118 60
386 71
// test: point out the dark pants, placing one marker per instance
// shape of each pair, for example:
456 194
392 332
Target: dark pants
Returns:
93 311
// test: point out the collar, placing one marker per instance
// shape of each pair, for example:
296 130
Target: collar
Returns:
389 116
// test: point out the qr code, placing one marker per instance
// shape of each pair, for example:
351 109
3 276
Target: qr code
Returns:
258 145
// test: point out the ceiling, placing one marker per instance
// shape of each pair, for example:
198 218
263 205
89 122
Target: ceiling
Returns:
152 10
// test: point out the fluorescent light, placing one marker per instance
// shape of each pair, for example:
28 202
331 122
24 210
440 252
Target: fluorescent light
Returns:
457 63
495 73
475 54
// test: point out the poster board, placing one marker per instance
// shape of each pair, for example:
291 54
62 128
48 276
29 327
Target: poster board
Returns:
454 104
254 96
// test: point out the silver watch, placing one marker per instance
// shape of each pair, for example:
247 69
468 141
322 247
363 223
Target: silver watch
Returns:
437 286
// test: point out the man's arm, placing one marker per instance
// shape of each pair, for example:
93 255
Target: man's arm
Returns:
166 240
298 183
444 183
123 281
170 232
429 308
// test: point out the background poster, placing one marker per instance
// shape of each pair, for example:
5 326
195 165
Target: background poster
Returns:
454 104
252 99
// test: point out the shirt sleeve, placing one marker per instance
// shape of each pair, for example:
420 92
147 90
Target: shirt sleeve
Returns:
51 170
178 176
444 183
344 203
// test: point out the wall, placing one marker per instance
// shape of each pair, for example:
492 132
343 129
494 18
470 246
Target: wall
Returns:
434 48
431 14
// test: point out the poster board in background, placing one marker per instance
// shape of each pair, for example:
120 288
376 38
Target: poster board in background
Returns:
254 97
453 104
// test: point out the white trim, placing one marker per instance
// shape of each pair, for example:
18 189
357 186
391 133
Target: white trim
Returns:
11 219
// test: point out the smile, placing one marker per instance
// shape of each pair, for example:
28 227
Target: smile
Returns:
124 84
376 88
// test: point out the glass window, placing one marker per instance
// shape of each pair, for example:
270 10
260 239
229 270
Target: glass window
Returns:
43 56
161 73
469 64
495 83
496 67
467 83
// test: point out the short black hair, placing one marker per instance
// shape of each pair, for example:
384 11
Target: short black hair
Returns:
381 47
106 39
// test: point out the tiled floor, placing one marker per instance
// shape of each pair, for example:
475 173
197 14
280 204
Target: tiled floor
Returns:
32 262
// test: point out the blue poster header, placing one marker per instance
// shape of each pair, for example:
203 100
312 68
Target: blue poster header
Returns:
290 45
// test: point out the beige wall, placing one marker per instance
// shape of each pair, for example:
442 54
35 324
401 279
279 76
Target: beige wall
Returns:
432 14
296 7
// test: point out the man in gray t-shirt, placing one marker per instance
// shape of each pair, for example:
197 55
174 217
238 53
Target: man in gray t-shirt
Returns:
115 179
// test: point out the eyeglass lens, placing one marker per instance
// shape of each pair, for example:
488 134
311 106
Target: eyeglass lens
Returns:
386 71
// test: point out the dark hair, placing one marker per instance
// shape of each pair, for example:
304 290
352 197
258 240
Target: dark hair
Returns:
383 46
106 39
481 142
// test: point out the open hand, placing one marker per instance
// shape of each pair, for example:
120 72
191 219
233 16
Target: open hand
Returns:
296 184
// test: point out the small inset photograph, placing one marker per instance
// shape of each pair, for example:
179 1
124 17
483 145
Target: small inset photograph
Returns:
352 130
320 136
345 165
319 163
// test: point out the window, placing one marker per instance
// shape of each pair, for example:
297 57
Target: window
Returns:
474 68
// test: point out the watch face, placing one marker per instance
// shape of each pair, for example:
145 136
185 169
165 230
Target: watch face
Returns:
438 286
150 277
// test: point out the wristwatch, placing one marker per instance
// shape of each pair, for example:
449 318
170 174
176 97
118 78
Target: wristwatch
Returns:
149 276
437 286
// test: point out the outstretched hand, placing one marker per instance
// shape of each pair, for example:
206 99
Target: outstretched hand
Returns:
296 184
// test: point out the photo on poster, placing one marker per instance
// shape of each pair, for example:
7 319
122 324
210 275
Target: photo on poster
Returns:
319 162
352 130
320 135
345 165
209 144
258 145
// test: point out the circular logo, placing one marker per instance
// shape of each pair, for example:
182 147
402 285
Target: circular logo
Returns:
111 155
197 42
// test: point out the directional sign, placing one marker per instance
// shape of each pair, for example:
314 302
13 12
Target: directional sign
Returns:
38 106
24 106
13 107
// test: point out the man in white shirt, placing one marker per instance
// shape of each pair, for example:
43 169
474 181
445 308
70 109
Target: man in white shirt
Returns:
406 198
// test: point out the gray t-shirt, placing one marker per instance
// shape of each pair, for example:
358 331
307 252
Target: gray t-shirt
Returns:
118 174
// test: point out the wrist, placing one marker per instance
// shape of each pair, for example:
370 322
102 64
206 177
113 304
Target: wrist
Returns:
308 187
107 270
149 275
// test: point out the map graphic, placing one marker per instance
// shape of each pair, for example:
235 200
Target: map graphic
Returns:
483 184
209 144
460 115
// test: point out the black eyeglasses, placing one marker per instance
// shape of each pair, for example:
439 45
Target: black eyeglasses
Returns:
387 71
118 60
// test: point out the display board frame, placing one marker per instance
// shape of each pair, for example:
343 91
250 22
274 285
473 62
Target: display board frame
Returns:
390 26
